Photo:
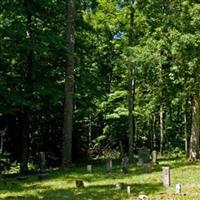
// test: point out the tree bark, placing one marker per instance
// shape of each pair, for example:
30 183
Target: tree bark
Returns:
26 112
131 90
161 130
153 130
25 144
194 139
186 135
185 128
69 86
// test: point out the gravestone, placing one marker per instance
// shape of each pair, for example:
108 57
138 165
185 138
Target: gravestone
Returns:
42 167
109 166
124 164
42 162
154 156
79 183
43 176
129 189
178 188
21 177
89 168
143 155
143 197
166 176
120 186
147 167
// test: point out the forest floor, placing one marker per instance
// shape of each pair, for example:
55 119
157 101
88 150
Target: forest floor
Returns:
100 185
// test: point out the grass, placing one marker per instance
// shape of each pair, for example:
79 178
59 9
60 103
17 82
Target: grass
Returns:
101 185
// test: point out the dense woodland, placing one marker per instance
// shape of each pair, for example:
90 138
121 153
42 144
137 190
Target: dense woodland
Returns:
94 79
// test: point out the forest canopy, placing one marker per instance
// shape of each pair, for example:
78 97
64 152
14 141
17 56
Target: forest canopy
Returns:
83 80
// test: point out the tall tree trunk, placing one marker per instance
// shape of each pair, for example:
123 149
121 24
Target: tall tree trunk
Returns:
25 143
121 149
161 130
131 117
186 134
26 113
153 121
69 86
185 106
131 90
194 139
161 112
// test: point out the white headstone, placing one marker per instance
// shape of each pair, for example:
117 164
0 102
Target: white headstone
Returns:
178 188
143 197
119 186
129 189
166 176
154 156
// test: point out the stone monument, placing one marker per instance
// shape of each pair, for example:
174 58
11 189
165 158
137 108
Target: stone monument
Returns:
166 176
124 164
109 166
143 155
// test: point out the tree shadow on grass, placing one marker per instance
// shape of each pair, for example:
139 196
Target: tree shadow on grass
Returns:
92 191
102 192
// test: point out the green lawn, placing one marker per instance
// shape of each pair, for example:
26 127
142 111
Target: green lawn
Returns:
101 186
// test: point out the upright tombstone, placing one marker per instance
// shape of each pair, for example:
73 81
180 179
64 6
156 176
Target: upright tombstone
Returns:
124 164
166 176
154 156
42 162
42 165
109 166
120 186
128 189
89 168
143 155
147 167
178 188
79 183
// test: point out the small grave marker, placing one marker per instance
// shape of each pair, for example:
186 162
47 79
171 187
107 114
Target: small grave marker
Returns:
125 164
89 168
129 189
178 188
43 176
154 156
21 177
120 186
79 184
166 176
109 166
147 167
143 155
42 162
143 197
42 165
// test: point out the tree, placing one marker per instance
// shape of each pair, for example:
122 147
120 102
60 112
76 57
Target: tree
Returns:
131 86
194 139
69 86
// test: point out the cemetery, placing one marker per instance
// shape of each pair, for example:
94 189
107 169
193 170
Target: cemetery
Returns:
99 100
170 179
